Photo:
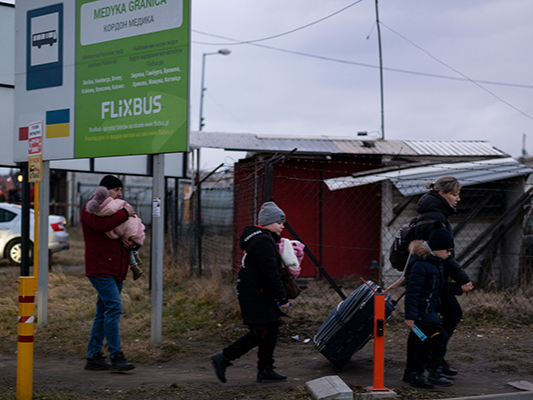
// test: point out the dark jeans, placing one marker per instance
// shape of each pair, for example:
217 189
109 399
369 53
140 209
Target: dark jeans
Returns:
106 318
262 336
428 353
451 313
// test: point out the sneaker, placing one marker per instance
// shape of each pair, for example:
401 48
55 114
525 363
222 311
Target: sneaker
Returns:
220 363
136 271
436 377
447 370
408 376
120 364
420 381
97 363
269 375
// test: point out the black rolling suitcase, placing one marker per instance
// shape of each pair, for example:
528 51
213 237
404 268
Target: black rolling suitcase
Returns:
349 326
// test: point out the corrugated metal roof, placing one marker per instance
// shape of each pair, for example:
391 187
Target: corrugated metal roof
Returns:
383 147
343 145
452 148
411 181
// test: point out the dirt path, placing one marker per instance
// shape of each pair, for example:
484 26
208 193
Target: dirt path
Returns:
487 360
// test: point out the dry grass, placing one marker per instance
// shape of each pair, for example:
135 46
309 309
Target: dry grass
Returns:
191 305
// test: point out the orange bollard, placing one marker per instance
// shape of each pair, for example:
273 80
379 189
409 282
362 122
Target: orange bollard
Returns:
379 341
25 338
379 336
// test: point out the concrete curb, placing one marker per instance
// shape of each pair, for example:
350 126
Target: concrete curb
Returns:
329 388
499 396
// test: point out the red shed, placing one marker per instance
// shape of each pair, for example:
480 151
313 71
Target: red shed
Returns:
348 231
343 237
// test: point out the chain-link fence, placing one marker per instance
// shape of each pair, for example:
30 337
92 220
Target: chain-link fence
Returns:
348 229
348 218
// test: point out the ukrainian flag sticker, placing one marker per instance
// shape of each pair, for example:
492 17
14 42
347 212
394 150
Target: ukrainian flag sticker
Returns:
57 123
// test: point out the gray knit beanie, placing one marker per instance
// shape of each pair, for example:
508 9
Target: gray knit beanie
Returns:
270 213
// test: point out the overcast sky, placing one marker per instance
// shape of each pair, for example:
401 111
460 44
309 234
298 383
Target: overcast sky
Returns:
453 70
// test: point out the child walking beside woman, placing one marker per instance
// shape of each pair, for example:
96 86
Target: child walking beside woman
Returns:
425 286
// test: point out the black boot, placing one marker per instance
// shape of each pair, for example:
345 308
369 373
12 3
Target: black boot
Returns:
269 375
220 363
408 375
447 370
97 363
420 381
436 377
120 363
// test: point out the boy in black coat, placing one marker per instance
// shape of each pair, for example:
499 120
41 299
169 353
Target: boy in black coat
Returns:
425 286
261 294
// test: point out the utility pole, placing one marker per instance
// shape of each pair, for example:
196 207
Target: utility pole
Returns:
380 73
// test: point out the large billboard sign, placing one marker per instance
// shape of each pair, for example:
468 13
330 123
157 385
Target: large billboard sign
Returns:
107 77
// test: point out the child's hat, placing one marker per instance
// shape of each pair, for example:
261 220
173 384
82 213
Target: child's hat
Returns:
270 213
441 238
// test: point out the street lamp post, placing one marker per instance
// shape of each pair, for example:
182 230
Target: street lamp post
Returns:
201 124
224 52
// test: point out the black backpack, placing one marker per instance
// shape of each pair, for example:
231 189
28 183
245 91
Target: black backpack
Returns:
399 251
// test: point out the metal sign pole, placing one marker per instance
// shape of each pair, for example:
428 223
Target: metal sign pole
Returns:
43 255
156 263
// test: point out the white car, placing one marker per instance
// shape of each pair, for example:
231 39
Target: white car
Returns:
10 232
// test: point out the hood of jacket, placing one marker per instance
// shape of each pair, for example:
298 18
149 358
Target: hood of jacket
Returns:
420 249
433 202
250 232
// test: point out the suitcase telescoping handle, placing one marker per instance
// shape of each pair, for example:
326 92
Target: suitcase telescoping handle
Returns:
395 302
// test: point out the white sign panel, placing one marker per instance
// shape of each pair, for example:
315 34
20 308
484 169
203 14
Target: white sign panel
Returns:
105 20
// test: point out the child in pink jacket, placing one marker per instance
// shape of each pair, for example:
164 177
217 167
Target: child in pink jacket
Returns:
130 232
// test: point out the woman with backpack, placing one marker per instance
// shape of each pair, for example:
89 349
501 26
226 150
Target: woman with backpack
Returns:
439 204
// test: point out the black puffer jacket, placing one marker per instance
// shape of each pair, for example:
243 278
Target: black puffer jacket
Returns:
432 206
424 288
259 286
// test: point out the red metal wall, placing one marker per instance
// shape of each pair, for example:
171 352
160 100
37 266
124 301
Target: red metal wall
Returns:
341 228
